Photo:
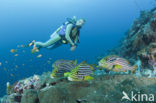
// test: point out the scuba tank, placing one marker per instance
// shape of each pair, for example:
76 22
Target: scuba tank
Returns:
62 30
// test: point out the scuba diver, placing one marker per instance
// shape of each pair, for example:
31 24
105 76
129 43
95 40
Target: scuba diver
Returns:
67 33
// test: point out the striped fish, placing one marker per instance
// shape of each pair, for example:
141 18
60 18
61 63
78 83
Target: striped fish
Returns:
81 72
62 66
116 64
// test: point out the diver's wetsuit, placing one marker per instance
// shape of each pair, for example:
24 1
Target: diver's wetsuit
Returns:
55 37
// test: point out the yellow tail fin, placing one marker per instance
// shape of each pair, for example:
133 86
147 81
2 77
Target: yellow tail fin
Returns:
88 78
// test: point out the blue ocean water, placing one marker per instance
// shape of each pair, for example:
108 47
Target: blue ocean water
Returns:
24 20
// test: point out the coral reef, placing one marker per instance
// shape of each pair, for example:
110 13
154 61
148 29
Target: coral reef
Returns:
103 89
140 40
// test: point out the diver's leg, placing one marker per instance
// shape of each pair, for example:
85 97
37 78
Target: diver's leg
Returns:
51 41
57 44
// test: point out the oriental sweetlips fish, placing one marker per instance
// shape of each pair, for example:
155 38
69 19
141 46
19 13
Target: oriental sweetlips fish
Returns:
62 66
116 64
82 72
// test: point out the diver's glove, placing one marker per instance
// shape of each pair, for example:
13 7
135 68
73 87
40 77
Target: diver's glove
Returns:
73 47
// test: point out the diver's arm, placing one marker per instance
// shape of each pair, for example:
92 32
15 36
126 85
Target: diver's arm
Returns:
67 36
77 38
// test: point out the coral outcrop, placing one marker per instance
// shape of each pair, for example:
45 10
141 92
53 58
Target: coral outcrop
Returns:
103 89
140 40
